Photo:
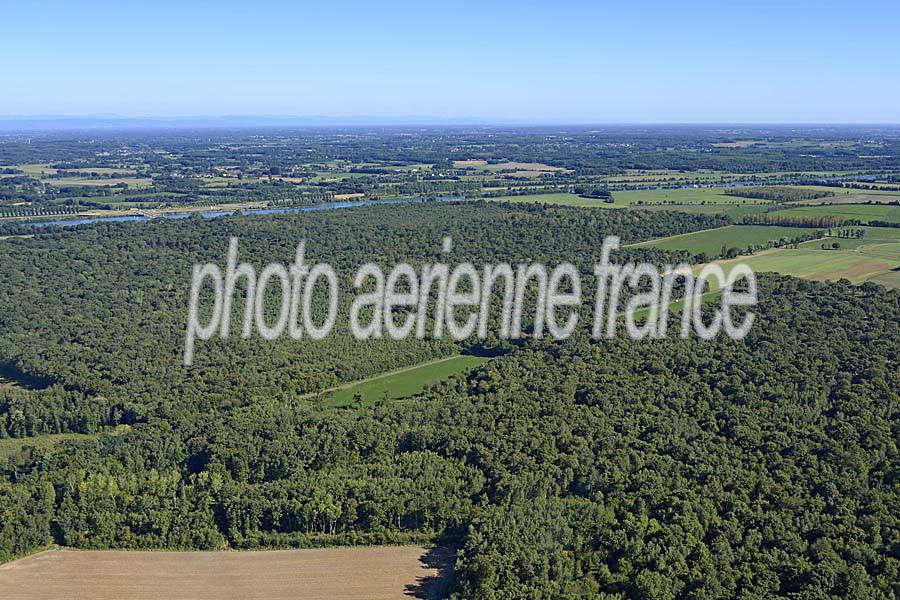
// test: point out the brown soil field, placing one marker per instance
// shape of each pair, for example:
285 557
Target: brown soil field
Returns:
506 166
359 573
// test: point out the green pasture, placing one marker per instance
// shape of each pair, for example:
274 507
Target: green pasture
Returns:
864 213
711 241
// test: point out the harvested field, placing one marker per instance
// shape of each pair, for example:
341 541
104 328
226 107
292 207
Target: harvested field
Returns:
363 573
506 166
133 182
738 144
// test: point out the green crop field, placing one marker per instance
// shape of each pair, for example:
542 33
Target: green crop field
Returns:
711 241
873 258
890 279
821 265
35 169
736 211
874 236
862 212
403 383
683 196
133 182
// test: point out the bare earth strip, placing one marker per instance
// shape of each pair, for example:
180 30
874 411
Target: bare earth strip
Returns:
363 573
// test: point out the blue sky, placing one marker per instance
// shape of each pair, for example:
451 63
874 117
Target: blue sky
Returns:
544 62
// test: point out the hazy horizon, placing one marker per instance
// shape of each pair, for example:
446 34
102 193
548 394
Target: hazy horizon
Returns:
647 62
17 123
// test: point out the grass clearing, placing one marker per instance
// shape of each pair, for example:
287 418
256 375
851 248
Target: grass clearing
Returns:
403 383
11 446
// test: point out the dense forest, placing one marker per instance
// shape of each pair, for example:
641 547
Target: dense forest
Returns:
665 469
671 469
102 309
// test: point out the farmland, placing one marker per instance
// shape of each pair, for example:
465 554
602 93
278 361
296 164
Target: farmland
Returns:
872 235
131 182
735 211
864 213
710 199
873 258
820 265
506 166
373 573
711 241
713 201
680 196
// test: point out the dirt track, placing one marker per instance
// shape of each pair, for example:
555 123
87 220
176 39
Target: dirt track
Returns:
364 573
